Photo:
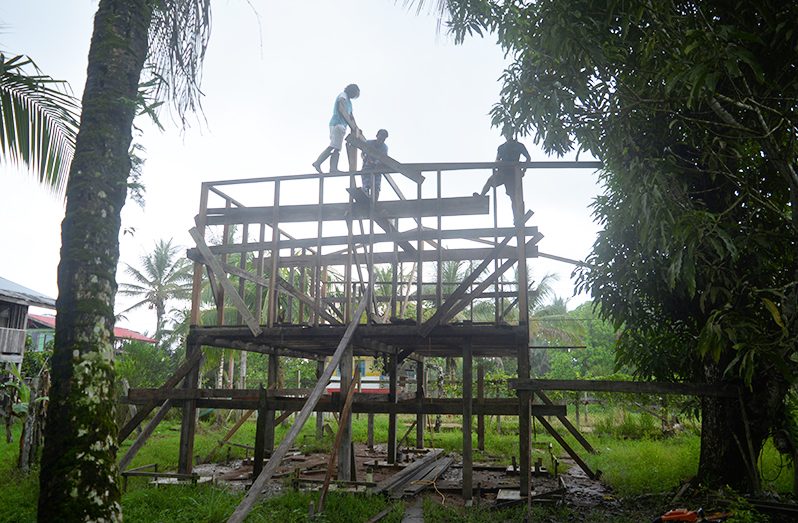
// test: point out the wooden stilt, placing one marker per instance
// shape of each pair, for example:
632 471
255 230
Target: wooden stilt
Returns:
188 426
272 376
392 397
344 440
370 431
319 415
261 429
468 458
481 401
420 386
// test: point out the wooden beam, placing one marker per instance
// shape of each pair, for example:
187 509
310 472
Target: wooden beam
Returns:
566 447
217 269
390 209
414 174
145 434
191 362
254 492
568 425
426 234
363 403
633 387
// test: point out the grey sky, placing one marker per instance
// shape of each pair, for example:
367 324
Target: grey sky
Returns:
270 81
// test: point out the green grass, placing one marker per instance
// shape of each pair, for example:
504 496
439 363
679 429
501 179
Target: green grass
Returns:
630 466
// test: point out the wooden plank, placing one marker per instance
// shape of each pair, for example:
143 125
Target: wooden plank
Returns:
257 486
404 475
632 387
567 448
142 438
427 480
568 425
216 267
390 209
413 174
363 199
184 368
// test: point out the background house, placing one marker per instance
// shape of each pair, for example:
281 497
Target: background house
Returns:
14 302
41 329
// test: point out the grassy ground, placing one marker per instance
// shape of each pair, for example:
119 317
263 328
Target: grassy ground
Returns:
636 469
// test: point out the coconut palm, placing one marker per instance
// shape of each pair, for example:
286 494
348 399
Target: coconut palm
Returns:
163 276
38 121
78 477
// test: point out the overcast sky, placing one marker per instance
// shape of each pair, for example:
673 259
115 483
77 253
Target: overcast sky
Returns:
271 74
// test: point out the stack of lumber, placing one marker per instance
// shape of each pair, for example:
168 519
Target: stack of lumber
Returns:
416 476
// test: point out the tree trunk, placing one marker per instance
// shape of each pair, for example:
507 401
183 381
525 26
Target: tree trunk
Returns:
732 438
78 479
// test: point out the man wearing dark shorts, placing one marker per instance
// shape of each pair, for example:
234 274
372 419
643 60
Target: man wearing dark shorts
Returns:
510 152
372 182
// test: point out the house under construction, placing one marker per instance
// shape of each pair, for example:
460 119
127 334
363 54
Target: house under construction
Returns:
316 268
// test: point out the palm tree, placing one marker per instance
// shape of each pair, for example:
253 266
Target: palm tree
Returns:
38 121
163 277
78 478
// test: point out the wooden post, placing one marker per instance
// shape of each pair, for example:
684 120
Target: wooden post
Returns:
481 401
188 426
273 302
345 422
272 377
420 386
370 431
319 415
392 397
468 458
419 265
261 431
524 400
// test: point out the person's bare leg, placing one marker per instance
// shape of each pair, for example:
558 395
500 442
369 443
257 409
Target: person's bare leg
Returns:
323 156
334 161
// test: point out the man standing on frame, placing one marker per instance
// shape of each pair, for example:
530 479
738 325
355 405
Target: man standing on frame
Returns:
341 118
372 182
509 152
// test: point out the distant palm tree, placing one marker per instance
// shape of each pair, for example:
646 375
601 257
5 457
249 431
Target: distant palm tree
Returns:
38 121
163 277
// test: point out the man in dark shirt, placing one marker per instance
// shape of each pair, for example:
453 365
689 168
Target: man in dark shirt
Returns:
372 182
509 152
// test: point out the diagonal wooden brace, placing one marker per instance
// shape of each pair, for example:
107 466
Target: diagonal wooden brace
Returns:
216 267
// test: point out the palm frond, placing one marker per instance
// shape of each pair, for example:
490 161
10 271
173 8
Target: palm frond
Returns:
178 39
38 121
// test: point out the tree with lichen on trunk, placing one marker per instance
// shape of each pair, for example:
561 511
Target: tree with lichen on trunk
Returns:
78 478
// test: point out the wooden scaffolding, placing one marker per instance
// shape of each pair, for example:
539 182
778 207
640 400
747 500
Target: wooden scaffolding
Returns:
316 268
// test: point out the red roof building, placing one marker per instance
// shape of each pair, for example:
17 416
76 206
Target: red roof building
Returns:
42 328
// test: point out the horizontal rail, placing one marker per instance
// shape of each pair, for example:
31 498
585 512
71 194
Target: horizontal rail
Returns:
633 387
